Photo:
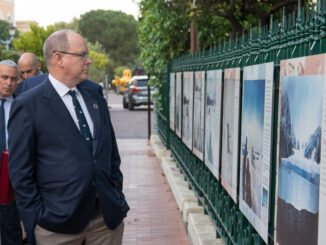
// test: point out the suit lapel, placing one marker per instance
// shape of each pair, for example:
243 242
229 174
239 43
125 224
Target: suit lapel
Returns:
93 109
60 111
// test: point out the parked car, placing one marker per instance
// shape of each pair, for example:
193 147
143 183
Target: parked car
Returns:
135 93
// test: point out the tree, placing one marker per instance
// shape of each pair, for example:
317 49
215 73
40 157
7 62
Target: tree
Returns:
4 30
73 25
241 14
100 61
115 31
33 41
163 28
163 32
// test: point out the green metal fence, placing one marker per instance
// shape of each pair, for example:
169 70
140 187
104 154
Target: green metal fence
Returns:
299 34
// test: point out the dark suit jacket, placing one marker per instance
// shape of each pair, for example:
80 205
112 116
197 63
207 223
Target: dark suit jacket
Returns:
32 82
53 173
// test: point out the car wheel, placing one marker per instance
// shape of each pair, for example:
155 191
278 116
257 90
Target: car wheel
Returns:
124 103
131 106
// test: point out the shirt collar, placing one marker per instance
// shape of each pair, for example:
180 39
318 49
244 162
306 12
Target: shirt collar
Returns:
61 89
9 98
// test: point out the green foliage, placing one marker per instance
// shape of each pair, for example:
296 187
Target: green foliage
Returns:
119 70
115 31
4 30
100 61
73 25
9 55
163 32
33 41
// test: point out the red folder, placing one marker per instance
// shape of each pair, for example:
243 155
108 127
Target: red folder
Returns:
6 191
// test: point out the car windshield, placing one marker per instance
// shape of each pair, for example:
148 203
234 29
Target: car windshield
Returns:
142 83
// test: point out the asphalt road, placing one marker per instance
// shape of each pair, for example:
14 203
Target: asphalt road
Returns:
128 124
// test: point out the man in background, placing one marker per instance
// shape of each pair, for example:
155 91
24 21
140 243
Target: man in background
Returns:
29 65
11 233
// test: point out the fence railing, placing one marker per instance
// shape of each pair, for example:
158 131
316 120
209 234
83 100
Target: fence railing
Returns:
297 35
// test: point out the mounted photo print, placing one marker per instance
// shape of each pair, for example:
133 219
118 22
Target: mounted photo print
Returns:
172 101
230 131
178 103
256 145
300 201
199 114
213 121
187 108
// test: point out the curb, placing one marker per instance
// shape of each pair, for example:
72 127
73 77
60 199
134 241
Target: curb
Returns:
200 228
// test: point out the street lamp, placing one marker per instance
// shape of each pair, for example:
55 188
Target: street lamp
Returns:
12 31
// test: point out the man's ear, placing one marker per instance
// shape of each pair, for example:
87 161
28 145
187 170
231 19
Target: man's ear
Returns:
58 59
39 66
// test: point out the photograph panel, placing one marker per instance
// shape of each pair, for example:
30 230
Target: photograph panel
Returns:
213 121
300 148
256 143
230 131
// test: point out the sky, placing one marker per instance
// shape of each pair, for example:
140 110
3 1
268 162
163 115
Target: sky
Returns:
47 12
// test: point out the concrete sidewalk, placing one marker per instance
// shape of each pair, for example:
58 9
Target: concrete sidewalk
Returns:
154 218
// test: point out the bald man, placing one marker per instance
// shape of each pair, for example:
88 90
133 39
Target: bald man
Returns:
29 65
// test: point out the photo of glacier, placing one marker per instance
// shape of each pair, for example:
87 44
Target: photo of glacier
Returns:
199 110
252 133
299 159
187 103
213 120
227 170
172 100
178 103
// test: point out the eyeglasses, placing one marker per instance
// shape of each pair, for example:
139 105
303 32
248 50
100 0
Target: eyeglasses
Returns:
82 55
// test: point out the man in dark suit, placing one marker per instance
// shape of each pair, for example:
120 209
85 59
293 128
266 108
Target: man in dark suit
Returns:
10 231
64 161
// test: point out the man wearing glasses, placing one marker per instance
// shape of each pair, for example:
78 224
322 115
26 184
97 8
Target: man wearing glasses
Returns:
64 160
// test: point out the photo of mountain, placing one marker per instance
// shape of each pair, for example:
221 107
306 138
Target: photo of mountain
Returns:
178 103
187 109
299 157
199 114
172 100
252 130
230 131
213 121
256 145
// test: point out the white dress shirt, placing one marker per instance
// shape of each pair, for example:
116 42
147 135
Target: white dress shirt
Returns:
7 106
63 90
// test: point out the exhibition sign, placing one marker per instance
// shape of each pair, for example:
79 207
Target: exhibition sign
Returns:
199 114
230 132
187 108
300 202
213 121
178 104
256 145
172 100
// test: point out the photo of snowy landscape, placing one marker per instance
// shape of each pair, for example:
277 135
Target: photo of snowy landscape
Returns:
178 103
299 155
172 100
230 131
213 120
199 114
252 132
187 103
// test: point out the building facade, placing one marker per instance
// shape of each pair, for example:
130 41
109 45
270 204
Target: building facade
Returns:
7 10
